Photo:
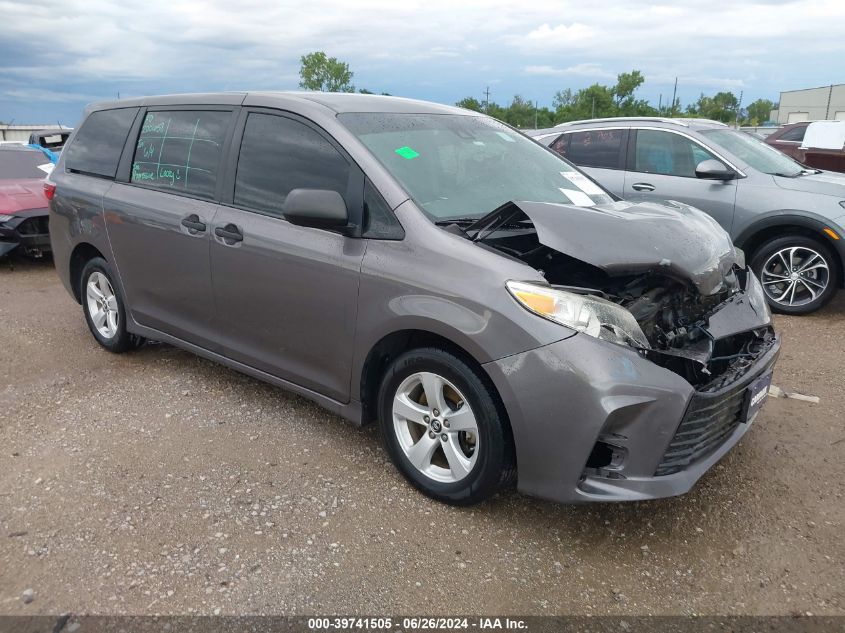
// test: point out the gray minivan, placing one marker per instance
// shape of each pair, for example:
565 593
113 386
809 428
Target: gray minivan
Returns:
788 218
501 316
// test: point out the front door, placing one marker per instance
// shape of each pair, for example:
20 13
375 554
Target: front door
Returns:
662 167
287 295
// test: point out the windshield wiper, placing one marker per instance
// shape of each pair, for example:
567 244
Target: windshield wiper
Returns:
458 221
783 175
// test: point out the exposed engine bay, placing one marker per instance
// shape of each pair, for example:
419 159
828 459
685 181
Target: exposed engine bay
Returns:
702 323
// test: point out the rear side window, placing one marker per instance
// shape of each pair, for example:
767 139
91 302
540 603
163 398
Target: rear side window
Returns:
99 142
596 148
278 155
795 134
180 151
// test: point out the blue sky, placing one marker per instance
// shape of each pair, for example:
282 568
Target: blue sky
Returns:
58 55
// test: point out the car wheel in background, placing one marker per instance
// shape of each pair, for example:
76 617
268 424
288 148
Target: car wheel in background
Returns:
799 274
104 309
444 428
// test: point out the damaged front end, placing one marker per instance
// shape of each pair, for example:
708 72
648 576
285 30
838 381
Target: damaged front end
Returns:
665 281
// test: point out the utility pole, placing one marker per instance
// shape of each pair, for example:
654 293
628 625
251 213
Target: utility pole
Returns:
660 104
535 114
738 109
674 93
487 100
594 108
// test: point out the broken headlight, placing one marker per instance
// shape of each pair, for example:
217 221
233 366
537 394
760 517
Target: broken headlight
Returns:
585 313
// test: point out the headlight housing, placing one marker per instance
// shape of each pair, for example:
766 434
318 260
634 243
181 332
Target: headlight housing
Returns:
586 313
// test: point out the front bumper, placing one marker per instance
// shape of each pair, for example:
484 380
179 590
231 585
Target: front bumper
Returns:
573 400
26 232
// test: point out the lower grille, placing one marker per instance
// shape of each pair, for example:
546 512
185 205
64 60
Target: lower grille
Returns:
709 421
34 226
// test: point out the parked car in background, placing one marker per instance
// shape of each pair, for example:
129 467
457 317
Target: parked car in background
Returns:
23 203
788 218
499 314
819 144
52 139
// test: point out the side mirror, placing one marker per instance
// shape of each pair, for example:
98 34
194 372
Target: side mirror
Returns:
714 170
318 208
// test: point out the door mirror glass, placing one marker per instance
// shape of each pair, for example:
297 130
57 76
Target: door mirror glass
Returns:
319 208
712 169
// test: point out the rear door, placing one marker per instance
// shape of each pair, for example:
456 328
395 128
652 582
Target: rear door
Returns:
287 295
661 166
159 219
599 152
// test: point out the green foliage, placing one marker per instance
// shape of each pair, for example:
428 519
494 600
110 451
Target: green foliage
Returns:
471 103
720 107
319 72
758 112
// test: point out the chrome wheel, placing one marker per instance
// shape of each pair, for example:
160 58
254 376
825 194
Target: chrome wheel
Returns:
435 427
795 276
102 305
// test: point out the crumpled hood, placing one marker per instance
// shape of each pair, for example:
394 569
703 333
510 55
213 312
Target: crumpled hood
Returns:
827 182
628 238
21 195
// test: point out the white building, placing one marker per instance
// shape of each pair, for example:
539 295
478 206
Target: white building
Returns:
812 104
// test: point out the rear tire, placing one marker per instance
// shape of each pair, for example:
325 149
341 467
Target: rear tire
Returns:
444 427
799 274
104 309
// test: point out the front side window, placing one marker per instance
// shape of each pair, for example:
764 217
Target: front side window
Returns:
668 154
278 155
462 166
180 151
596 148
98 144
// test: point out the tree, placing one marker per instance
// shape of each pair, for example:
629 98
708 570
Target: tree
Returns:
758 112
720 107
626 85
471 103
318 72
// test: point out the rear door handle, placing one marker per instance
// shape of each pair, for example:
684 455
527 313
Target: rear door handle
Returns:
193 223
642 186
229 233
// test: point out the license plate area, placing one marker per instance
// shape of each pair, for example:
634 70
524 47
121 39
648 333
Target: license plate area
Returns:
756 395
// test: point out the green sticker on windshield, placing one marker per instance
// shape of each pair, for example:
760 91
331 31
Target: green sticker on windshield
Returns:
407 153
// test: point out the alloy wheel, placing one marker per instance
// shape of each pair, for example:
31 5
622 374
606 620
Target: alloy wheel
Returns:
436 427
795 276
102 304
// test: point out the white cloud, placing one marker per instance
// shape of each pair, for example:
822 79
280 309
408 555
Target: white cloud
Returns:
580 70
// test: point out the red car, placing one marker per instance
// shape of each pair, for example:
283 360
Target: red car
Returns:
23 202
790 140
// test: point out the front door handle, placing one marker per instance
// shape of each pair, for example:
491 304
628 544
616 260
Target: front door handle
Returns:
193 223
642 186
229 233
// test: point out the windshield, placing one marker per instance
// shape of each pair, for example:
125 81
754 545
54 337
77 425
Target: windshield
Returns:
755 152
455 166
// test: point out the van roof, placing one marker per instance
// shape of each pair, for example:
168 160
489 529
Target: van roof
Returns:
336 101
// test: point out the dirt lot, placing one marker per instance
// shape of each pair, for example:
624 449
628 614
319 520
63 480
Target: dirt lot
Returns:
157 482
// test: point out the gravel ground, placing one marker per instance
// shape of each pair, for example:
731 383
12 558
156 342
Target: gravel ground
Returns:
158 482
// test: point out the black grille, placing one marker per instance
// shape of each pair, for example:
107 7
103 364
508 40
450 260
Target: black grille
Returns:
38 225
708 422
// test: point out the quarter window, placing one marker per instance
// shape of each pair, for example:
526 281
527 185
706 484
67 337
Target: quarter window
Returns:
180 151
668 154
98 144
278 155
594 148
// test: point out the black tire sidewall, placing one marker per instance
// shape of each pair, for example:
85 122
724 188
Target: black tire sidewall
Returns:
122 340
770 247
493 433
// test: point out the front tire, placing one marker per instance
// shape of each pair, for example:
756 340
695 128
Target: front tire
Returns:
799 274
104 309
444 428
